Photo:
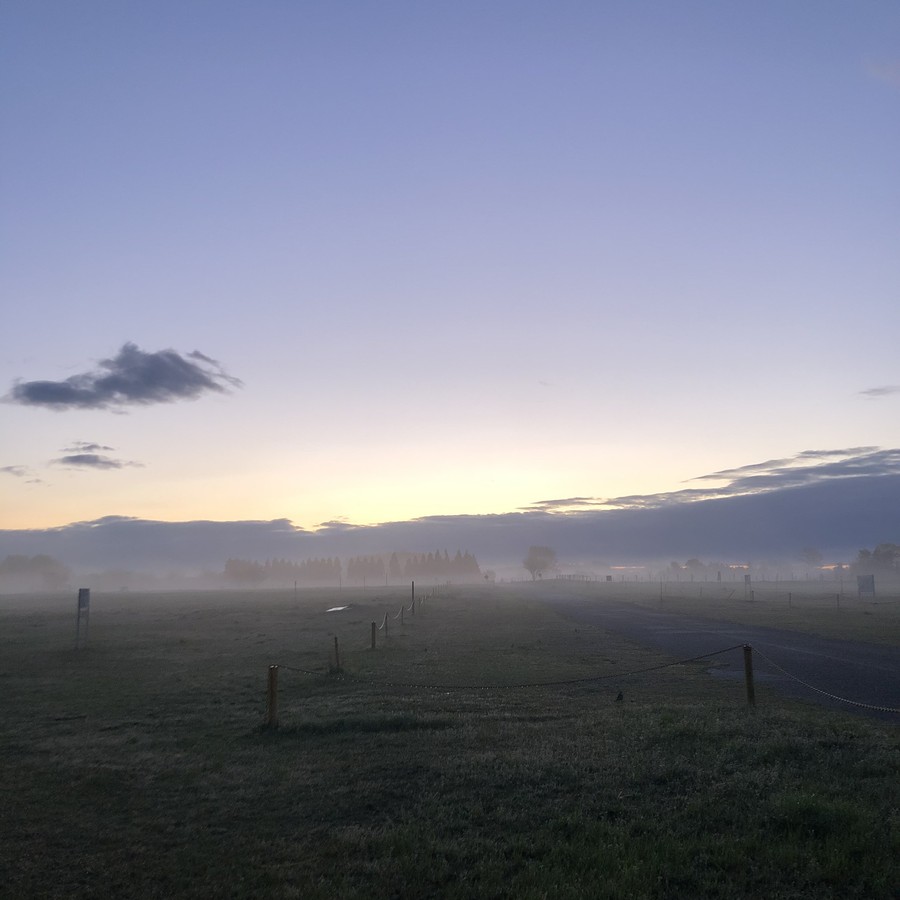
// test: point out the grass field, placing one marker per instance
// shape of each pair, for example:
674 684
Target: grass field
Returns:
137 768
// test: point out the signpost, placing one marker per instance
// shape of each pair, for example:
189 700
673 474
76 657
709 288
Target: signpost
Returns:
84 612
865 585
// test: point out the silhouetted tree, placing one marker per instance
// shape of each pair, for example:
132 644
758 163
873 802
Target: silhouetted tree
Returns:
40 572
811 557
244 572
695 567
539 560
883 560
365 568
463 566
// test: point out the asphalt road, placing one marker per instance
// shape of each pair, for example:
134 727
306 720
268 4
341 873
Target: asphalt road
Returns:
865 673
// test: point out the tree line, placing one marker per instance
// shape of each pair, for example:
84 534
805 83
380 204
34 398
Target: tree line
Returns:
281 571
434 565
359 569
33 573
883 560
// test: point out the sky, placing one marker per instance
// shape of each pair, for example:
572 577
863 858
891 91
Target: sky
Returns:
368 262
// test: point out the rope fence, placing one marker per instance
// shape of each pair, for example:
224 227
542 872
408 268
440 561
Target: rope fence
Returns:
336 671
347 676
272 683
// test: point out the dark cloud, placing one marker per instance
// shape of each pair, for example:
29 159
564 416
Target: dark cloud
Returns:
807 467
883 391
93 461
838 505
132 377
774 465
132 543
86 447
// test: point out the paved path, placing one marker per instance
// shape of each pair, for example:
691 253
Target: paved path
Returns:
866 673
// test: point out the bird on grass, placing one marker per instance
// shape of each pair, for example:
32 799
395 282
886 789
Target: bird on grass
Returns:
619 697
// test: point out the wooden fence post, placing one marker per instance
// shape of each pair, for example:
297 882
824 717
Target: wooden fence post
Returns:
374 629
272 698
748 674
83 612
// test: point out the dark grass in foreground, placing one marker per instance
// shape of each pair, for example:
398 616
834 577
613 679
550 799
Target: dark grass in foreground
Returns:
137 768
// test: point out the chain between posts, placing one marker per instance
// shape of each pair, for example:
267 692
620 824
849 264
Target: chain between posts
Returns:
346 676
887 709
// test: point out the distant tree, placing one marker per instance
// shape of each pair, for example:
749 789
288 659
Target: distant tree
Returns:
883 560
811 557
40 572
471 566
244 571
539 560
695 567
887 556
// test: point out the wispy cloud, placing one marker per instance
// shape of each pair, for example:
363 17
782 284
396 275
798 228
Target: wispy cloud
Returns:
15 471
776 465
569 504
21 472
883 391
338 524
132 377
82 455
91 461
806 468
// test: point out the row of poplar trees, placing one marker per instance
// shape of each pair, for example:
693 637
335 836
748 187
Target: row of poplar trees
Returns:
374 569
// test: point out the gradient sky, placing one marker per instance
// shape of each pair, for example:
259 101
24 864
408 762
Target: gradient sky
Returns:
461 256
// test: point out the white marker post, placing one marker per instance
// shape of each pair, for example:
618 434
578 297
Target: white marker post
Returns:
84 611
